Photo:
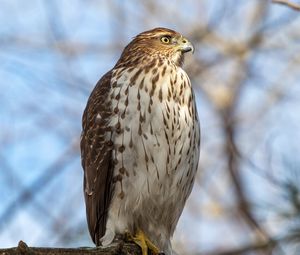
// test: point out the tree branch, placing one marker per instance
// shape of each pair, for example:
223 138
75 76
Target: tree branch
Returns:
291 5
265 246
117 248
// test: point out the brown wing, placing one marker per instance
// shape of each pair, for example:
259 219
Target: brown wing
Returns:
96 158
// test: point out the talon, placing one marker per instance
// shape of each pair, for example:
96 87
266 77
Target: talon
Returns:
143 241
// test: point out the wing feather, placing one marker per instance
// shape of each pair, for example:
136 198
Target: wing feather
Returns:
96 156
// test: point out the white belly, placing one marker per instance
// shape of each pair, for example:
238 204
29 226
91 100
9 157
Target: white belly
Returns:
155 159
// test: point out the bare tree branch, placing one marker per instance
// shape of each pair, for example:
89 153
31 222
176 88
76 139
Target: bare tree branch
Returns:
115 249
264 246
118 248
289 4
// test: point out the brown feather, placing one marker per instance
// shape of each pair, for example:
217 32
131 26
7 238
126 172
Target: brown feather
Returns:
119 152
146 45
96 158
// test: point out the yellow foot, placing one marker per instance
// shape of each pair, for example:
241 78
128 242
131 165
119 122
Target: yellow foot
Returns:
142 240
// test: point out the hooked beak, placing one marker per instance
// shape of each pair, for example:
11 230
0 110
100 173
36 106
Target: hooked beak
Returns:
185 45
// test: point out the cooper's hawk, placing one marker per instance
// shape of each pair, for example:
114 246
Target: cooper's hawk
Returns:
140 143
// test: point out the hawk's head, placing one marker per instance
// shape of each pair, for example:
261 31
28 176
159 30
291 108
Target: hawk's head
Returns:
159 41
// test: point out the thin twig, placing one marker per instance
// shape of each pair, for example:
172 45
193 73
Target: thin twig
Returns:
291 5
246 249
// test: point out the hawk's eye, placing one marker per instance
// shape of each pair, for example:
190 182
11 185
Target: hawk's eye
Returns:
165 39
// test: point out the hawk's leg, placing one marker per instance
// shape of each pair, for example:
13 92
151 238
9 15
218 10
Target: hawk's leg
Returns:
143 241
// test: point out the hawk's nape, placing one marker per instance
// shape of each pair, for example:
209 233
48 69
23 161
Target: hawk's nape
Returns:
140 143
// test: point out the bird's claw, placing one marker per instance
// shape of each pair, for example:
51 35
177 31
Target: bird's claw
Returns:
143 241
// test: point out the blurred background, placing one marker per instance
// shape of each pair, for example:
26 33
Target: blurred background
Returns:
245 72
